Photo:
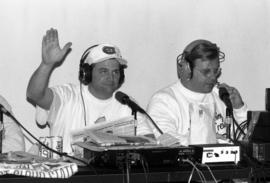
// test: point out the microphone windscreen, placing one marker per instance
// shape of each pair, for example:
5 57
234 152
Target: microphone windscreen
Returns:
225 97
121 97
223 93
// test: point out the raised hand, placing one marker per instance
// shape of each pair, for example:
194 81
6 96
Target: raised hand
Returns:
51 51
235 96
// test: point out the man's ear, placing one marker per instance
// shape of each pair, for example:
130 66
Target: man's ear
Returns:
183 70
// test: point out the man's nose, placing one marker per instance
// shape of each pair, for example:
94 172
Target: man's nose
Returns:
110 76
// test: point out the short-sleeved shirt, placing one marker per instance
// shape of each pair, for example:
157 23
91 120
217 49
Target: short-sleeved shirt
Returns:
74 107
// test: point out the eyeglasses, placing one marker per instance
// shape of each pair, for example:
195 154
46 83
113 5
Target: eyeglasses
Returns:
208 73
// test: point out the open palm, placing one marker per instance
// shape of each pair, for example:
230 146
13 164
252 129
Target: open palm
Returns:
51 51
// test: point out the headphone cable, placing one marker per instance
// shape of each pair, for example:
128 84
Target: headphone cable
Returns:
84 107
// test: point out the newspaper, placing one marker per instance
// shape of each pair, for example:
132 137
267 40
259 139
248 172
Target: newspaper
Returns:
119 132
25 164
123 126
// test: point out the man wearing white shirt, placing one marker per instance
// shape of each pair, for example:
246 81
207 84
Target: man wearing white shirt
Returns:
70 107
190 109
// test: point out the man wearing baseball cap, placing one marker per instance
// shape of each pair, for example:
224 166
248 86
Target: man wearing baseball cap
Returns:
69 107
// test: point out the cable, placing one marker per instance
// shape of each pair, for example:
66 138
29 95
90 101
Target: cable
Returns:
123 173
5 111
210 172
145 167
255 166
197 170
44 145
237 127
243 126
84 108
191 174
153 122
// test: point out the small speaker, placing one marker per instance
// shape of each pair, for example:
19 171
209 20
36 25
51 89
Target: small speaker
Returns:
267 99
258 126
261 151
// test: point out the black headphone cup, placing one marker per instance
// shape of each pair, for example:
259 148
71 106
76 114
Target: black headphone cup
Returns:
85 73
84 68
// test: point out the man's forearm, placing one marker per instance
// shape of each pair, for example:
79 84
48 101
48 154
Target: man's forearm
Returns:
37 90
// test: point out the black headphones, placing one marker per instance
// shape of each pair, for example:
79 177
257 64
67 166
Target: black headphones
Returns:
85 70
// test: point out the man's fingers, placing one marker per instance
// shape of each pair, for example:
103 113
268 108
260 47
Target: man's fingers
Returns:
67 47
51 35
54 35
231 90
43 39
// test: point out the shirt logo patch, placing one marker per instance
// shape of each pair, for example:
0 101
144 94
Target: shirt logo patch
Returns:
220 126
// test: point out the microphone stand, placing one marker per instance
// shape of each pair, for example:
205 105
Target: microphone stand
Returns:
134 113
136 109
152 121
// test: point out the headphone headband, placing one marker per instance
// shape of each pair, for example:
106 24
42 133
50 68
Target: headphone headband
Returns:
191 46
85 53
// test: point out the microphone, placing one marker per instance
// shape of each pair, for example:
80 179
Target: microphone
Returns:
125 100
225 97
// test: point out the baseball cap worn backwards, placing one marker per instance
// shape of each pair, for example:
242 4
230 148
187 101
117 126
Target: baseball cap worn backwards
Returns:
104 52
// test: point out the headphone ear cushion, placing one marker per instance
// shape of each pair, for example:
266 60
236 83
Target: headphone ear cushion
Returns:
85 75
85 71
188 67
183 70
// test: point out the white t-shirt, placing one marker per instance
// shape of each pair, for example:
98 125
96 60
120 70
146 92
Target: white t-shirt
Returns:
13 139
193 118
67 111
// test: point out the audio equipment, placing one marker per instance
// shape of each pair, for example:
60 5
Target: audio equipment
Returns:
85 70
258 126
267 99
225 97
163 156
124 99
217 153
153 156
261 151
173 156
